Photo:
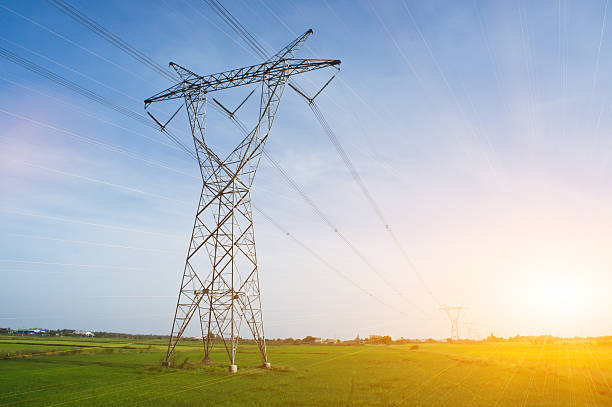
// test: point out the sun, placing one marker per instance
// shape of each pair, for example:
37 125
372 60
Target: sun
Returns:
556 294
557 297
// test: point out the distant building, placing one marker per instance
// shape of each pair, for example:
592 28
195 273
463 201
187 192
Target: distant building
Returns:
331 340
317 340
85 333
34 331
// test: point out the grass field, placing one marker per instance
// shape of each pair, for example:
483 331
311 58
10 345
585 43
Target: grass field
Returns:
96 372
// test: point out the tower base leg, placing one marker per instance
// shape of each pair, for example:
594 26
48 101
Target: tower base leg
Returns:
233 368
267 365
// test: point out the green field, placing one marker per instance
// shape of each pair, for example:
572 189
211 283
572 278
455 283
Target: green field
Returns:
97 372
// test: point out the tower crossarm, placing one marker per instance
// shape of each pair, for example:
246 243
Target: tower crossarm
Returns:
196 86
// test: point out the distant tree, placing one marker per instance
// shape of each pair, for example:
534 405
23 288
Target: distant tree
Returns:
387 340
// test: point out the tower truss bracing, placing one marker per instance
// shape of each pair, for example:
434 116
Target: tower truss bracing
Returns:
224 293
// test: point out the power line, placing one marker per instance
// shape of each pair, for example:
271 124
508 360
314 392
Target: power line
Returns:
238 28
60 80
259 210
469 124
98 143
56 34
287 178
264 214
257 47
87 223
115 40
89 243
331 267
102 182
108 146
365 191
91 95
46 58
53 263
531 85
129 113
95 116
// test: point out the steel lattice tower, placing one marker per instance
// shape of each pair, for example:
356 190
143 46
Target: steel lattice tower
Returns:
227 292
453 314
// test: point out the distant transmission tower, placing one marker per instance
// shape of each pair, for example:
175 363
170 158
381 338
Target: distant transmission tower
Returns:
453 315
227 291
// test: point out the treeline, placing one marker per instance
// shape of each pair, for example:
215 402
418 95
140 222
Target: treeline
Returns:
75 332
291 341
309 340
371 340
119 335
548 339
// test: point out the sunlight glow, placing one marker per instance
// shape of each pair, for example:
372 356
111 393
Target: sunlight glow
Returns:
560 295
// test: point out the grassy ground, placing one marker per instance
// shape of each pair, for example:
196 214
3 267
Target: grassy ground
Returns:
64 372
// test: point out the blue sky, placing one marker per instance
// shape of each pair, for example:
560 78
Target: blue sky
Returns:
481 128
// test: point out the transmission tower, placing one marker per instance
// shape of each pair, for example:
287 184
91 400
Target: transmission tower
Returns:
453 314
227 292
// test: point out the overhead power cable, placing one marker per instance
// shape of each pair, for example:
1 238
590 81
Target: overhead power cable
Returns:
101 144
264 214
140 118
90 114
331 267
242 32
88 223
259 49
359 181
53 61
60 80
98 244
291 182
58 35
237 27
115 40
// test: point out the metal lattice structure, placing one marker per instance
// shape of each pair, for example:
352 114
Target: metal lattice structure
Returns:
227 292
453 314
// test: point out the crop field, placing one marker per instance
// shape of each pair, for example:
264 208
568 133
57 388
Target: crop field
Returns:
106 372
